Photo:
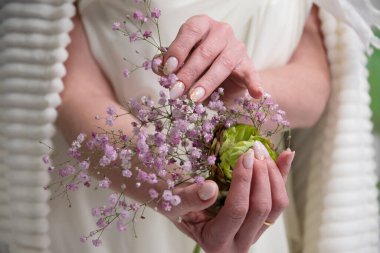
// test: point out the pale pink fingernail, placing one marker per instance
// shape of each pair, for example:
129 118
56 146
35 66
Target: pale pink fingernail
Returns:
260 151
249 158
177 90
291 157
170 65
207 191
197 94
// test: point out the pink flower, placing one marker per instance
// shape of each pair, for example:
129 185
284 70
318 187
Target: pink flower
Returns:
116 26
211 160
147 34
156 13
133 37
175 200
46 159
126 73
138 15
153 193
105 183
97 242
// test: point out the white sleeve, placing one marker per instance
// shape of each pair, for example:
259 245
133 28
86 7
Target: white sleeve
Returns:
361 15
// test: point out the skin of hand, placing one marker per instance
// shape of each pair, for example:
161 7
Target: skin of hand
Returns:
88 92
206 54
257 195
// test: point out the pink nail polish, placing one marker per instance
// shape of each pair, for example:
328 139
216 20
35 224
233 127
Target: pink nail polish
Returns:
207 191
197 94
177 90
170 65
249 159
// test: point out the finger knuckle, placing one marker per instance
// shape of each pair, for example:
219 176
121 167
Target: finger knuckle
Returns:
240 47
238 212
226 28
227 62
280 204
206 52
191 28
262 209
188 76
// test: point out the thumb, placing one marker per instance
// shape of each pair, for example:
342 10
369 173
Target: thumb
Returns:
197 197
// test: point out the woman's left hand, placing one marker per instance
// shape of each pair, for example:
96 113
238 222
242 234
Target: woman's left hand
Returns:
205 55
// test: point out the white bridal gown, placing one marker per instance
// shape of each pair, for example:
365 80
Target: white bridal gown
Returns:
271 30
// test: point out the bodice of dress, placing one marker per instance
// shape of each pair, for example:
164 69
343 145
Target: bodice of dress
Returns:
270 29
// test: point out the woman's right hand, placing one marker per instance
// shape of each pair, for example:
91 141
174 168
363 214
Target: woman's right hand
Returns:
256 198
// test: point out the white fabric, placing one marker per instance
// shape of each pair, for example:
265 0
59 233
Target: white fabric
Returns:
32 52
260 24
361 15
335 159
341 209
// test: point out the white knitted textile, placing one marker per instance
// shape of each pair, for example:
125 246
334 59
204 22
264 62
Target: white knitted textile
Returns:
335 163
34 35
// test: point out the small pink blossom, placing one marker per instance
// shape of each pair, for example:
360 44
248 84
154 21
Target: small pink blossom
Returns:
156 13
116 26
105 183
97 242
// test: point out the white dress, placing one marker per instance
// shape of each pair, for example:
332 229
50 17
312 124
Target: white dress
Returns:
271 30
339 197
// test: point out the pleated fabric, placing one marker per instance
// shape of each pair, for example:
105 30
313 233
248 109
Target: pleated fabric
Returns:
339 210
34 35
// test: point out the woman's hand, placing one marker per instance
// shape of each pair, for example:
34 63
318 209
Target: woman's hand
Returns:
205 55
256 198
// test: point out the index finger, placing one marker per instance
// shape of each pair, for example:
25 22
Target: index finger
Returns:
236 206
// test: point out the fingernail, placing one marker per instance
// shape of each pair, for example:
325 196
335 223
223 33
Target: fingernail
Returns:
291 157
207 191
197 94
156 64
249 158
177 90
170 65
260 151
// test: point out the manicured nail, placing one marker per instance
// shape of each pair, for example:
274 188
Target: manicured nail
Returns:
170 65
249 158
260 151
197 94
156 64
177 90
291 157
207 191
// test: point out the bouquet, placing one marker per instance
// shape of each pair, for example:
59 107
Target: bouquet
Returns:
174 141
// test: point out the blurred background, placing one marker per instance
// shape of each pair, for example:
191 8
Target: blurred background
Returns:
374 78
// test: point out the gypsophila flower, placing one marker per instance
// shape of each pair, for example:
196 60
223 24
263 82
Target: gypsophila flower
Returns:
138 15
97 242
156 13
132 38
211 160
170 142
126 73
105 183
46 159
116 26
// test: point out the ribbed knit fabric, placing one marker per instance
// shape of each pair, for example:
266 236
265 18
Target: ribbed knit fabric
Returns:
339 209
34 35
